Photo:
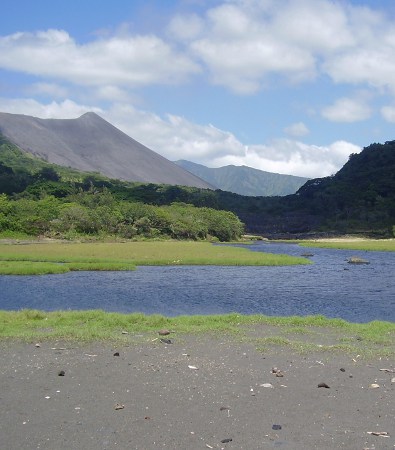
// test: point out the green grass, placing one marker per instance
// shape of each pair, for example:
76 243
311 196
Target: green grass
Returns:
322 334
128 255
382 245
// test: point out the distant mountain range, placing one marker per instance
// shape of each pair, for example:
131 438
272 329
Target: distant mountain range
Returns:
245 180
91 144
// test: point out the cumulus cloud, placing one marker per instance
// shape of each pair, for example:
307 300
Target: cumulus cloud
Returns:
129 61
240 44
246 41
240 48
295 158
347 110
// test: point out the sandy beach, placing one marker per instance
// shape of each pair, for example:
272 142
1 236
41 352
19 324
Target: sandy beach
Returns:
196 392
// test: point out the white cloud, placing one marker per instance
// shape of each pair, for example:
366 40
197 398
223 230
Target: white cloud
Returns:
246 41
185 27
240 49
298 129
318 25
241 44
295 158
66 109
347 110
128 61
173 136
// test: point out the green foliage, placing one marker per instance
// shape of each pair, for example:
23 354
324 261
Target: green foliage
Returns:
360 198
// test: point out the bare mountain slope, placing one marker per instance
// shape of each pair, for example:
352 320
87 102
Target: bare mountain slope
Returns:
90 143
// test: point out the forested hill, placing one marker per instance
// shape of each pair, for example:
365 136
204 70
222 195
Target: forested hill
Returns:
245 180
360 198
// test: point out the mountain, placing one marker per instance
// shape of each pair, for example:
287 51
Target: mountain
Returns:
91 144
245 180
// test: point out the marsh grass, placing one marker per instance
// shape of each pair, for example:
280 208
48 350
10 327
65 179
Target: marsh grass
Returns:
128 255
31 268
322 334
382 245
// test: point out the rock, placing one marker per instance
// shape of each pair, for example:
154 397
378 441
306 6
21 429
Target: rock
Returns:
116 354
357 260
193 367
224 441
276 427
342 369
266 385
323 385
119 406
61 373
277 372
166 341
374 386
163 332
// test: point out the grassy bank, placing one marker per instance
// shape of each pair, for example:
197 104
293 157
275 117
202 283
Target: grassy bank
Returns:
381 245
58 257
303 334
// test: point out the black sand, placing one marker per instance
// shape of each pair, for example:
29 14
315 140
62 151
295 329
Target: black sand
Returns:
164 402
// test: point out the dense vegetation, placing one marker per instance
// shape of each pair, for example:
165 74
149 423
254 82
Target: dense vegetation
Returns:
42 198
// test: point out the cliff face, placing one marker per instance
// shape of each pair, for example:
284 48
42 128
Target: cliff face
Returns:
89 143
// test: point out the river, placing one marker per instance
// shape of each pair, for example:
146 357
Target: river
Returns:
331 287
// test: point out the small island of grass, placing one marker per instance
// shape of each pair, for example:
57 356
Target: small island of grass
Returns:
59 257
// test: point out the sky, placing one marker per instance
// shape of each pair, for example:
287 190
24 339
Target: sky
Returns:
285 86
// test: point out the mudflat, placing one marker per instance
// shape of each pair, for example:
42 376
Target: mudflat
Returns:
192 392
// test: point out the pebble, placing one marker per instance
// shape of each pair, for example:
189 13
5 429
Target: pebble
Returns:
323 385
163 332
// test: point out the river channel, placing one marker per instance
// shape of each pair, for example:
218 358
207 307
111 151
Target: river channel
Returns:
330 286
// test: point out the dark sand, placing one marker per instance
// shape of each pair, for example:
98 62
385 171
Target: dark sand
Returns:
167 404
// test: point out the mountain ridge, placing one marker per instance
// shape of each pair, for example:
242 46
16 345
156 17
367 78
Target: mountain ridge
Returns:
90 143
245 180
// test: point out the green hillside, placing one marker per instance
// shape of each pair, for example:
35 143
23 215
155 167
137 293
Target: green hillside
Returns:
360 198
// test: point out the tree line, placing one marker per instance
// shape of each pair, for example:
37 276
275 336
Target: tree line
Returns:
99 213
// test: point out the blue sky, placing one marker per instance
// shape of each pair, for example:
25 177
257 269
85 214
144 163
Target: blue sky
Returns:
287 86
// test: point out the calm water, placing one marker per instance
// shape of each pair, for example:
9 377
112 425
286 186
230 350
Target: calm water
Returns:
331 286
